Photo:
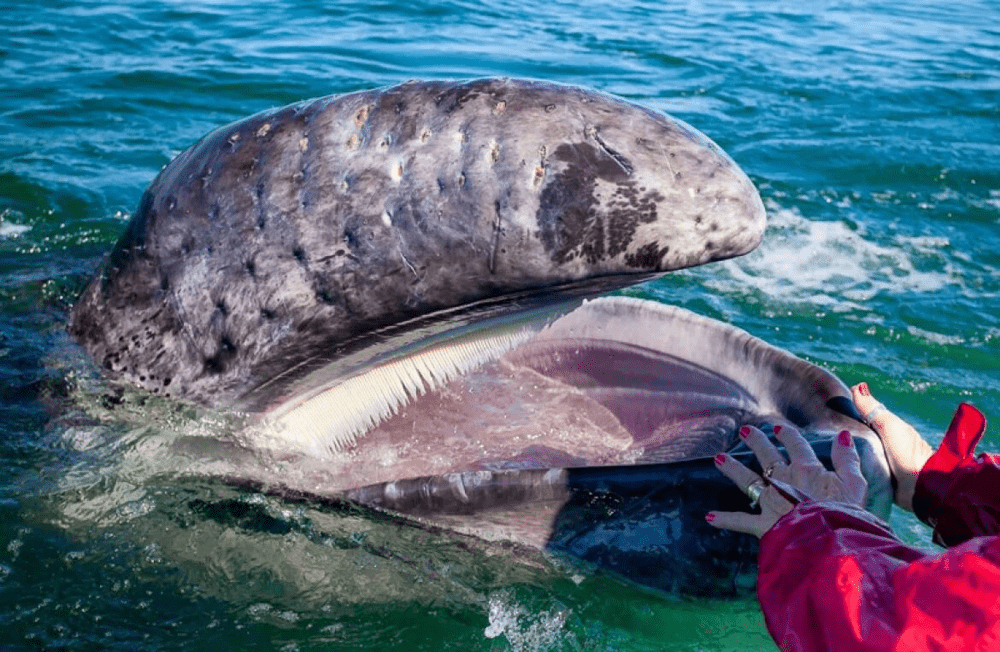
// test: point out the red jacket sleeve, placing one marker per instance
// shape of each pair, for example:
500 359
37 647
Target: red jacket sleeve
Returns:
833 577
958 493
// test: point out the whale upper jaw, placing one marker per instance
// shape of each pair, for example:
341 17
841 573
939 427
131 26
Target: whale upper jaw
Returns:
304 234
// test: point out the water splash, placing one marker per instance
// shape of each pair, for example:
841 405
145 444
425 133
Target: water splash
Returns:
524 630
9 229
833 264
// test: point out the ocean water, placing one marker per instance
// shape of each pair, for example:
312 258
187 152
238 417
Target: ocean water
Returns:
871 128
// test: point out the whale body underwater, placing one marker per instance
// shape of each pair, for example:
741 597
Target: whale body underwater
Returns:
396 289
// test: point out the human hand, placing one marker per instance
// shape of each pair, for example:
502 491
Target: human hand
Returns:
802 471
905 449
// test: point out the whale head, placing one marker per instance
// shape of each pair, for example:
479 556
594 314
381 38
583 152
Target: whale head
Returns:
317 237
391 286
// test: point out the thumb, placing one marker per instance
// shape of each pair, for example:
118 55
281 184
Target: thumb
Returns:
905 449
872 411
890 428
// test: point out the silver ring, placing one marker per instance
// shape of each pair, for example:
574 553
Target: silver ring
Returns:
753 491
878 409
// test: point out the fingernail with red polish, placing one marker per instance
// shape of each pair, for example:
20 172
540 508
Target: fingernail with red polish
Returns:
744 432
863 389
844 438
720 458
710 517
777 429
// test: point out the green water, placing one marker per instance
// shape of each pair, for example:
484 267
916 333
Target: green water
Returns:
871 128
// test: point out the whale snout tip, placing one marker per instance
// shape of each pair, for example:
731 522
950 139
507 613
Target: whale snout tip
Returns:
718 214
742 210
327 224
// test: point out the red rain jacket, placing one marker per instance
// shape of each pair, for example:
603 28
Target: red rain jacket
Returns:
834 577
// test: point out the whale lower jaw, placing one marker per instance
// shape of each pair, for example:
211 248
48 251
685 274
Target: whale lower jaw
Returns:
614 382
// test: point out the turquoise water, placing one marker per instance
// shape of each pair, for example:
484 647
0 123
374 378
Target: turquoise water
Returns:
871 128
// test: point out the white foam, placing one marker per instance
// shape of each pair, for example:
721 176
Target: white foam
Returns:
832 264
936 338
523 630
10 229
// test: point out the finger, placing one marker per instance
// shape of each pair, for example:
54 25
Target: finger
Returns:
738 522
736 471
906 449
881 419
847 464
799 450
872 411
767 454
844 455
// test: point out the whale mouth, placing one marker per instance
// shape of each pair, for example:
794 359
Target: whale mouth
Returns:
547 410
481 320
588 433
613 382
557 403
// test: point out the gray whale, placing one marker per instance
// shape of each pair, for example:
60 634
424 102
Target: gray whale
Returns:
291 239
391 285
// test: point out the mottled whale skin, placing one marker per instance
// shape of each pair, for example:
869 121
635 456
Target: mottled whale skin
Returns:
288 240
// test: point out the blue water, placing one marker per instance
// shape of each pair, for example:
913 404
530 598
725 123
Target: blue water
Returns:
871 128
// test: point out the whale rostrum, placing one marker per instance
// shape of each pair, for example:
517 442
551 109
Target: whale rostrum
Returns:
287 241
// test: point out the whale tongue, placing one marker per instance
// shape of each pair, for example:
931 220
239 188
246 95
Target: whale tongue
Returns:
673 409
